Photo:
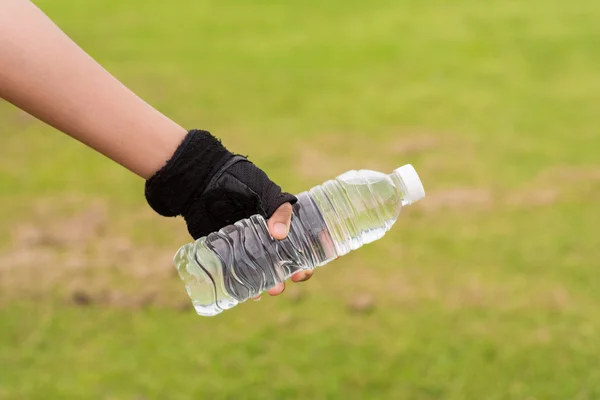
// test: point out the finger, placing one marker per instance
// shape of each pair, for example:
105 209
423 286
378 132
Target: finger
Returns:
277 290
279 223
302 276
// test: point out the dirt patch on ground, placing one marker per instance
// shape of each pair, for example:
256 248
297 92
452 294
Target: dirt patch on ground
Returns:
533 197
549 187
78 258
552 185
560 175
73 231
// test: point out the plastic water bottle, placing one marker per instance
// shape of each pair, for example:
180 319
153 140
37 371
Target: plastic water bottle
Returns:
242 260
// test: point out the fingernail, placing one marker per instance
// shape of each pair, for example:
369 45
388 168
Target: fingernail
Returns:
277 289
299 276
281 287
280 230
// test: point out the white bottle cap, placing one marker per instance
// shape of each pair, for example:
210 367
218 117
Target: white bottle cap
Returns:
412 183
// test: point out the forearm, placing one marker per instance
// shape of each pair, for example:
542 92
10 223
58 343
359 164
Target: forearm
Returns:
46 74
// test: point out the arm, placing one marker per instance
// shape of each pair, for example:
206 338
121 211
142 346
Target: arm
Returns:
46 74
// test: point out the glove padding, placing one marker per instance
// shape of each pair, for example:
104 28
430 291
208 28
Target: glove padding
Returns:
211 187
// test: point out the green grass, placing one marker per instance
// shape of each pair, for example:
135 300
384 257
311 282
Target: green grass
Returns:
485 290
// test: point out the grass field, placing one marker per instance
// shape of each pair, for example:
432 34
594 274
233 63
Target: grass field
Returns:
488 289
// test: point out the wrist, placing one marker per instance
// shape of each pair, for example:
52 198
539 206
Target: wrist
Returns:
156 149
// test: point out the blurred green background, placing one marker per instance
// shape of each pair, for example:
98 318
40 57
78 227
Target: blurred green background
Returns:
487 289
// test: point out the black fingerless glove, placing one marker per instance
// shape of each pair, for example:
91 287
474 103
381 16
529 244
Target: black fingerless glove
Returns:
211 187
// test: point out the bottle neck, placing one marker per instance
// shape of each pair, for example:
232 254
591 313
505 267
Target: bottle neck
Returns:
399 184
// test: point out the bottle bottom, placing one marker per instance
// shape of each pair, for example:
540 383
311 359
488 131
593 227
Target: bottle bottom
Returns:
203 280
241 261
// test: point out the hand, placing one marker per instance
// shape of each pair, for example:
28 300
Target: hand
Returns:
212 188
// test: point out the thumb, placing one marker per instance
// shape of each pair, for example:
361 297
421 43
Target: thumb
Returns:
279 223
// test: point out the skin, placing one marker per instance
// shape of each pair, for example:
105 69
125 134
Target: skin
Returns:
43 72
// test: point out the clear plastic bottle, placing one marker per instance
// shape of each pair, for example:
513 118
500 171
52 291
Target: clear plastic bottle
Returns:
242 260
